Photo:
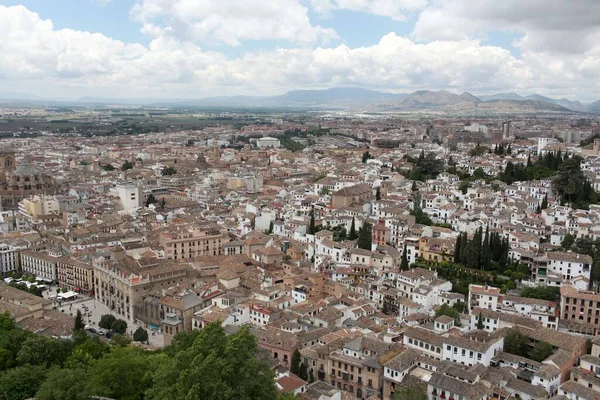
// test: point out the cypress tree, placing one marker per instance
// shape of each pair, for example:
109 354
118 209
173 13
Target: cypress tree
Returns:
311 227
464 241
79 324
378 193
404 261
457 248
545 202
480 321
486 252
295 364
352 235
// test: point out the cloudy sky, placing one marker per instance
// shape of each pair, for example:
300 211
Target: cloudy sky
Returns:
198 48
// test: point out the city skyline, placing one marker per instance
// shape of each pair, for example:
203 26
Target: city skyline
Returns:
184 49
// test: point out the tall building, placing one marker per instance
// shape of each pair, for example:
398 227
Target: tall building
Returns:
508 130
191 241
131 196
9 258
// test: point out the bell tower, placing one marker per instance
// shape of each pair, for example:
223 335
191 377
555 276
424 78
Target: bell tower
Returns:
7 161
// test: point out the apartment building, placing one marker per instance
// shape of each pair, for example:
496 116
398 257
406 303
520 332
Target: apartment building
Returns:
41 264
356 367
569 265
122 282
580 310
483 297
75 275
192 241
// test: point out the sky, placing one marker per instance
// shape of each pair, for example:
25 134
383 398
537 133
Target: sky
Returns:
198 48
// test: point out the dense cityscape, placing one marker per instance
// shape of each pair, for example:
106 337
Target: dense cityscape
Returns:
371 256
299 200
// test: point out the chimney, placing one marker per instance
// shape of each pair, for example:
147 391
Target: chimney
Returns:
117 253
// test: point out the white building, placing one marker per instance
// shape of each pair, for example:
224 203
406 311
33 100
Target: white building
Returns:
266 142
466 351
131 196
483 297
40 264
569 265
9 258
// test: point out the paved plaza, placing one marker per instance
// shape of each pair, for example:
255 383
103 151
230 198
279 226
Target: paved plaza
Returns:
93 310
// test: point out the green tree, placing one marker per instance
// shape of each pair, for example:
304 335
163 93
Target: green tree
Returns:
515 343
295 363
119 340
568 241
108 167
216 366
182 342
303 372
365 236
570 179
167 171
79 324
485 259
140 335
91 349
21 382
378 193
480 321
541 351
45 351
352 235
420 217
410 393
106 321
311 227
66 384
541 292
6 359
151 200
445 309
121 374
119 326
544 203
404 265
7 323
479 173
366 156
127 165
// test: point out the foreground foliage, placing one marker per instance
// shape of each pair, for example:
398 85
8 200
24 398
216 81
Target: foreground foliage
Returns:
205 364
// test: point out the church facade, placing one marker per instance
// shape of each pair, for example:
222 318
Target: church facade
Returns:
18 181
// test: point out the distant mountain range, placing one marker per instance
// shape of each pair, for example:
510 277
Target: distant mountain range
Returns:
355 99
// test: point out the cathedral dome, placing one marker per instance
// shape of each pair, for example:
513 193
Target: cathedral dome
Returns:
26 169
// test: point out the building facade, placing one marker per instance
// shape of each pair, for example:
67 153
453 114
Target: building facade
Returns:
192 241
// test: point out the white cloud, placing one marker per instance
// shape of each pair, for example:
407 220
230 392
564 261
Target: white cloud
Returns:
395 9
546 25
230 22
43 60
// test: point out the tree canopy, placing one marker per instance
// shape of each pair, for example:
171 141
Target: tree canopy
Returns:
204 364
365 236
